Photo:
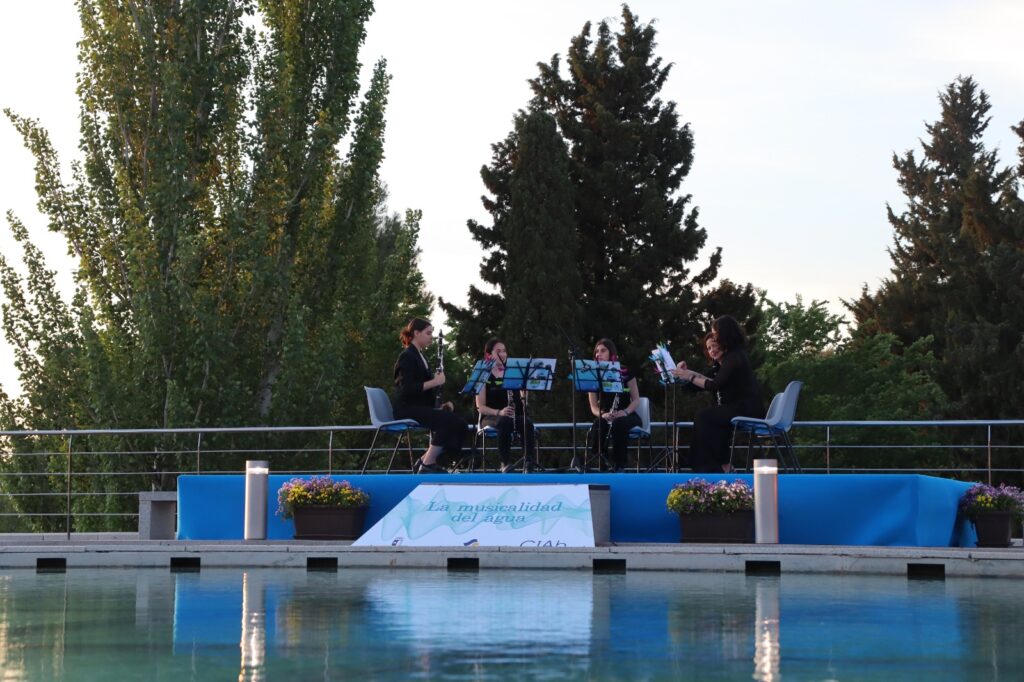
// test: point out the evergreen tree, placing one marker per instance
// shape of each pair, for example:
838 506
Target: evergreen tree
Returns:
628 158
230 257
958 266
533 242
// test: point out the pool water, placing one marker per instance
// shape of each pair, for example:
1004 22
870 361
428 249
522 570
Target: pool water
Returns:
492 625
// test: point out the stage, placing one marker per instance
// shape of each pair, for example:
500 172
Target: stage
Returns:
881 510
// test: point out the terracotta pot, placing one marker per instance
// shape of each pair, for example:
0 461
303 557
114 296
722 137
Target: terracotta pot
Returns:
329 523
717 528
994 528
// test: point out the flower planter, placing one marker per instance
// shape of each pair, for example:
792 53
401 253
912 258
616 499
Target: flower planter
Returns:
717 528
329 523
994 528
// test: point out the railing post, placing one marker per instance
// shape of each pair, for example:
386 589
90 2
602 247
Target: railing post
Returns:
330 452
989 428
71 439
828 449
199 444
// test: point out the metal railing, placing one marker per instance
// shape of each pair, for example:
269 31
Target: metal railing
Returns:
29 472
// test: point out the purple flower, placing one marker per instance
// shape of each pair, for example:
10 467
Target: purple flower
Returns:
983 498
698 496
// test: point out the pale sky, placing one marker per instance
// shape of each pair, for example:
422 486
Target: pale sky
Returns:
796 108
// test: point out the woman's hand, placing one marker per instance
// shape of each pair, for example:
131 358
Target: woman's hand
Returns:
507 411
449 406
438 380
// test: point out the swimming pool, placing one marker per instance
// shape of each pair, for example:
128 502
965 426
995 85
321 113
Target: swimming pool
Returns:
426 624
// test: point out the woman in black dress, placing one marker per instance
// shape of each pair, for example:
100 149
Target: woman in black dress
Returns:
739 396
504 416
414 395
614 412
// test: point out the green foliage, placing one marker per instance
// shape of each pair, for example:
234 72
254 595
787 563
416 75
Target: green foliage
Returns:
957 261
235 265
866 378
628 158
590 231
795 330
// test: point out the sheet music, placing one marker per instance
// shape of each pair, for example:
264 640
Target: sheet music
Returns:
533 374
588 373
664 364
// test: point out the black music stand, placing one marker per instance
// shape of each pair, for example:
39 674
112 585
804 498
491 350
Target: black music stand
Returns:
528 374
663 366
478 377
592 376
476 382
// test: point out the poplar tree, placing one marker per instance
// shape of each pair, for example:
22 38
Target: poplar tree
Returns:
958 265
236 265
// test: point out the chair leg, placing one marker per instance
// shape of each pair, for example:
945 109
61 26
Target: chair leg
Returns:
408 445
370 451
792 452
398 444
732 448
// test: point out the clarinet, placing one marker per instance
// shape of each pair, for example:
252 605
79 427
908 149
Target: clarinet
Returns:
615 406
440 367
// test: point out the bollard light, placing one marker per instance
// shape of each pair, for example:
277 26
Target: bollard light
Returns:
256 473
766 501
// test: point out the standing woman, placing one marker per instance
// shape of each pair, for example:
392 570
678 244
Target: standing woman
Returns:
504 416
414 398
614 411
739 396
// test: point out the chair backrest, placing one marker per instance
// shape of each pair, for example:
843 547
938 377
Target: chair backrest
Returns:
380 406
774 411
644 410
788 409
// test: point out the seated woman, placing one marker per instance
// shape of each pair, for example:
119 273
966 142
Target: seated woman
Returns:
503 410
414 398
739 396
615 412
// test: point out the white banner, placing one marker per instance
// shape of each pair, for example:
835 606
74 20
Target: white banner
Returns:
446 515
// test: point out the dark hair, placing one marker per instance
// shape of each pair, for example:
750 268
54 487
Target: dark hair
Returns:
489 346
416 324
729 333
613 352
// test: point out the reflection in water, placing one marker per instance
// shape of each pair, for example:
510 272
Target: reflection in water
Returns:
254 630
766 639
405 624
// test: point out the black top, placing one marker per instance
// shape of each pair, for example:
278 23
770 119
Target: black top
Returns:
410 375
496 397
736 385
605 399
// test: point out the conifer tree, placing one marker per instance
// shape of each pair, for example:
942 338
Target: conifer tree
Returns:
533 237
958 267
628 158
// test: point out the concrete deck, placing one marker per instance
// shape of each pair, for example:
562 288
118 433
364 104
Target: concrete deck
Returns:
125 550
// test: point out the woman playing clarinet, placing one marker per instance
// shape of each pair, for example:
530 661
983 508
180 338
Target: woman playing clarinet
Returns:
738 396
503 409
614 412
414 398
